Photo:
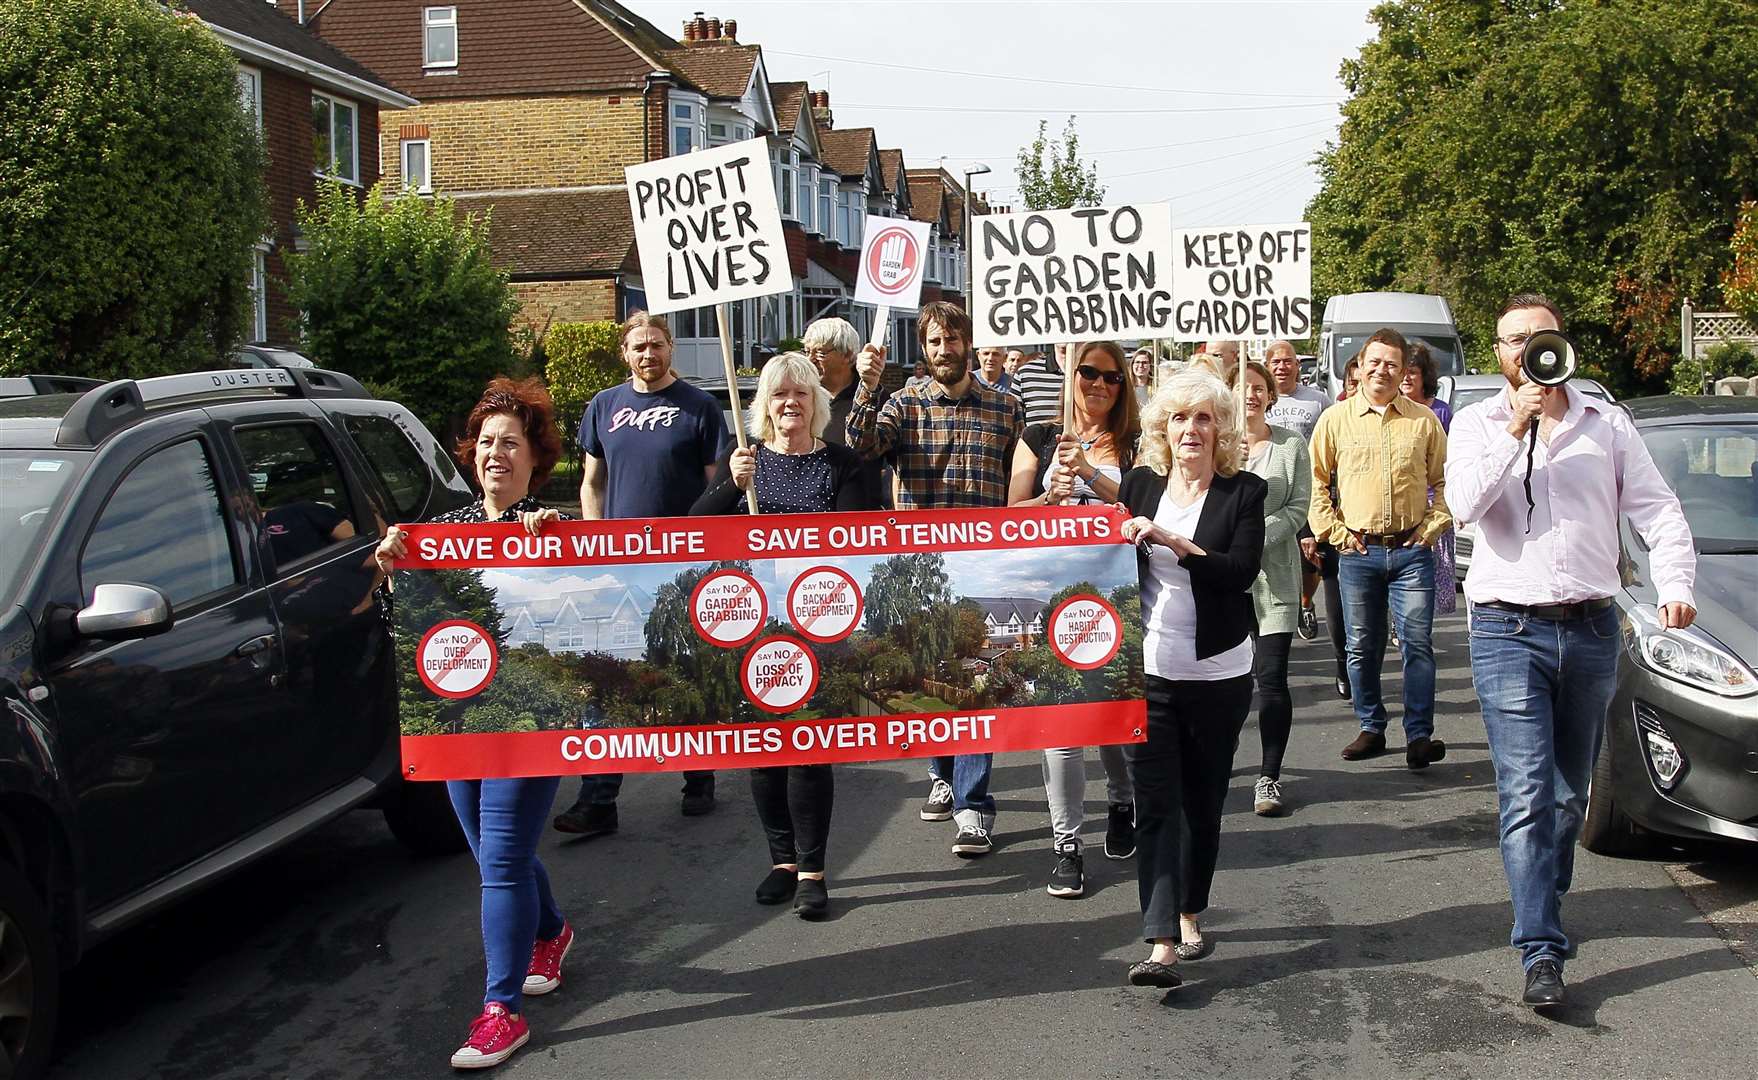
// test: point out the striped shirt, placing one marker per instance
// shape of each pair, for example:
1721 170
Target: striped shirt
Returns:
948 452
1039 385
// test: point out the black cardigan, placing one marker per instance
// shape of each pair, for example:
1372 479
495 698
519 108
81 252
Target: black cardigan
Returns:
724 497
1231 530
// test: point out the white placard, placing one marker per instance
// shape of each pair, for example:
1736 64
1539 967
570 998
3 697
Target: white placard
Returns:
1242 281
894 260
707 227
1088 274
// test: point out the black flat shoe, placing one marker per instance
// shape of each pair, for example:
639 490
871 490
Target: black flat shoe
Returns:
778 886
1153 973
1193 950
812 899
1544 985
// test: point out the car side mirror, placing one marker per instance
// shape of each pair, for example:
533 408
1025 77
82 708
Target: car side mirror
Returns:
120 612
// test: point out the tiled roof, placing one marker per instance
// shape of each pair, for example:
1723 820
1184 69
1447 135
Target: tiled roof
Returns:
926 194
789 97
720 69
1009 608
890 168
847 152
558 233
261 22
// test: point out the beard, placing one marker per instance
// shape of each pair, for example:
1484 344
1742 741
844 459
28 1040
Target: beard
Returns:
950 368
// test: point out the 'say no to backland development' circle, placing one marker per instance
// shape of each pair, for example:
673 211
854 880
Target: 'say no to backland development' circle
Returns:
457 659
728 608
780 674
824 604
1085 632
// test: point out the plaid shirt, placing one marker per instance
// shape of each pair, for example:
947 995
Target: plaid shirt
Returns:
948 452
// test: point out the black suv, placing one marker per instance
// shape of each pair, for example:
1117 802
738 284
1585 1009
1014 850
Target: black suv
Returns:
193 669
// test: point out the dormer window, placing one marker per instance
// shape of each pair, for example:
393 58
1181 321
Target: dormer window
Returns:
439 37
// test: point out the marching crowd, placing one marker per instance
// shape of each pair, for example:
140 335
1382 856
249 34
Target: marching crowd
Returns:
1239 522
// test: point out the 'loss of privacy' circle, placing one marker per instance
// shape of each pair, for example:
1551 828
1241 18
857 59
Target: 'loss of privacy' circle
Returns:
456 659
780 675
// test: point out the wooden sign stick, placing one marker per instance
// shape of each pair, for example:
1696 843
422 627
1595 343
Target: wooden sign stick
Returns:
732 393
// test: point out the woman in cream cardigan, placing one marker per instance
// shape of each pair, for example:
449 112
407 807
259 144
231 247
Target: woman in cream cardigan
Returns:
1280 457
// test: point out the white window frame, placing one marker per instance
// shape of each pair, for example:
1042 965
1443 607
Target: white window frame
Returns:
327 168
259 293
788 183
682 114
425 186
432 19
808 188
250 93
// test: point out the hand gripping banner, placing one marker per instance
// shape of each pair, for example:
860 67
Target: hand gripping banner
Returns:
736 642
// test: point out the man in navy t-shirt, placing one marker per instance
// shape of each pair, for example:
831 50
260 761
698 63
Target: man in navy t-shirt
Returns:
650 445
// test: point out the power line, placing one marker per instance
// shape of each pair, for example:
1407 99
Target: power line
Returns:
1266 183
1041 110
1208 161
1312 125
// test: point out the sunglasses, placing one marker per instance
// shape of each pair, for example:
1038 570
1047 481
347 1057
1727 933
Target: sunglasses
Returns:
1093 374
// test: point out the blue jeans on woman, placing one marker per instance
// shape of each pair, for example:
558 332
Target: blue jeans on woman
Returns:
1403 577
503 820
1545 687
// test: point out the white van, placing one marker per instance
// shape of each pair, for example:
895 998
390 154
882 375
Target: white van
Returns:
1350 319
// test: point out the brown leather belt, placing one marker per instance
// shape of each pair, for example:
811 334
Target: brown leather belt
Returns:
1367 539
1580 609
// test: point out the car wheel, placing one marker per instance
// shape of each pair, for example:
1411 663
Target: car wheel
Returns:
30 978
421 816
1606 830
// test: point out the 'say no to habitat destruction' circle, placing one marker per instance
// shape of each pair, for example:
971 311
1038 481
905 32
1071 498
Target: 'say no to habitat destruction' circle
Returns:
728 608
824 604
1085 632
780 674
457 659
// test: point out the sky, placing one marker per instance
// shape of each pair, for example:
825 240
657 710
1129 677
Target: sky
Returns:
1216 107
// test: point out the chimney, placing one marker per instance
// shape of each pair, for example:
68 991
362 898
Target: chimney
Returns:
689 31
713 29
731 30
821 108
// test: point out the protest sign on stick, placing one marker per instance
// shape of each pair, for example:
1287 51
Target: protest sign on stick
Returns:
894 258
1242 281
708 232
1093 273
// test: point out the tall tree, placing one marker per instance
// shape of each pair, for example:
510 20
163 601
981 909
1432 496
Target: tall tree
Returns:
901 587
131 191
1052 175
1597 152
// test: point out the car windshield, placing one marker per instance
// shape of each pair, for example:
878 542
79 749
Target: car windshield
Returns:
1464 396
1713 468
33 486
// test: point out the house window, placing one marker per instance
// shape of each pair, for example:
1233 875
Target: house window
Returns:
683 129
857 216
716 134
418 166
844 224
626 634
250 94
808 184
440 37
259 297
334 149
827 208
788 163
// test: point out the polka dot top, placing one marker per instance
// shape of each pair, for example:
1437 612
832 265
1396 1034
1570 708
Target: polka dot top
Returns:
795 483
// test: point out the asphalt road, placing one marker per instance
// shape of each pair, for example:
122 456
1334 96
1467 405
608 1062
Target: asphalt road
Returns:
1363 935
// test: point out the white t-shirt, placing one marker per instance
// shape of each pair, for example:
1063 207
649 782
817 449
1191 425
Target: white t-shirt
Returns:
1298 411
1169 609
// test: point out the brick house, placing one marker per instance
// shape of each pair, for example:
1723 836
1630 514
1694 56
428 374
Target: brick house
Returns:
318 111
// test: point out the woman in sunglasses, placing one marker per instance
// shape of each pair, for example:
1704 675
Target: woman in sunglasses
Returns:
1083 464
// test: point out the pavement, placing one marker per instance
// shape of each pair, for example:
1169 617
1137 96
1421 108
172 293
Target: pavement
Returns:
1363 935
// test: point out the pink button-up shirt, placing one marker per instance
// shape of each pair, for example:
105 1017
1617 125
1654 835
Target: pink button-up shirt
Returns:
1594 469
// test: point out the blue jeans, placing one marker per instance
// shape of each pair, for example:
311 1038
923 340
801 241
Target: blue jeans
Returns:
969 776
503 819
1404 578
1545 688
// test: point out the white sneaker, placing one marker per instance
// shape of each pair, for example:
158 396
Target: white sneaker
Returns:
939 804
1267 797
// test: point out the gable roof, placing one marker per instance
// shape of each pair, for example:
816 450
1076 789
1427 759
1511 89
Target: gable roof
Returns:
264 35
557 232
1007 608
590 605
719 69
891 172
849 153
926 195
789 98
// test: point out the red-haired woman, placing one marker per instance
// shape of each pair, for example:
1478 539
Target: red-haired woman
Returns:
510 446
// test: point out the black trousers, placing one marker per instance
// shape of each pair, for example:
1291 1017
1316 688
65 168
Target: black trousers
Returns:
1328 568
794 803
1275 705
1181 775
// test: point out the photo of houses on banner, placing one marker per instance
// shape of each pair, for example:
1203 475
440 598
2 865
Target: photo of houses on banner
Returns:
663 644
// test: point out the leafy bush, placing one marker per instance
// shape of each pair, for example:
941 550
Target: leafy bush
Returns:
580 359
1739 286
131 191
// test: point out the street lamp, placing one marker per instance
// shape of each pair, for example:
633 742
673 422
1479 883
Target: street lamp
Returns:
976 170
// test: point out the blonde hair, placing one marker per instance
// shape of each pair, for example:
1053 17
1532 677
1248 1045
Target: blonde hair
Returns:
1189 389
1215 364
788 367
1262 371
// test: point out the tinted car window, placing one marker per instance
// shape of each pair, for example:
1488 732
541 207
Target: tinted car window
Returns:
33 486
299 488
395 460
1713 468
164 526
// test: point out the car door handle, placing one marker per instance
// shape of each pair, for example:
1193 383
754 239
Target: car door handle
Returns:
255 645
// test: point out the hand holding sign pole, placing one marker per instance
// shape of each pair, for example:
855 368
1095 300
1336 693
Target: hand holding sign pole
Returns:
893 255
732 392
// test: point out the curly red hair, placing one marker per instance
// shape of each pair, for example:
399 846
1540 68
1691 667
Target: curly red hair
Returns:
528 401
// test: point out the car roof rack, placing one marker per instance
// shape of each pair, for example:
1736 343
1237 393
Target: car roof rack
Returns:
16 386
101 412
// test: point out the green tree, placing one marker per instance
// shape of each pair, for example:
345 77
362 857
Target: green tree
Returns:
1051 174
580 359
400 293
131 191
1597 152
902 586
422 599
708 686
1739 283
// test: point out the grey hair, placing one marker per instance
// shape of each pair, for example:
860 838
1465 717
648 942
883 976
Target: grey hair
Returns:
1188 389
833 334
788 367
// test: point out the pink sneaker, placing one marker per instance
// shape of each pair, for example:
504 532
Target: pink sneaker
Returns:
493 1038
546 962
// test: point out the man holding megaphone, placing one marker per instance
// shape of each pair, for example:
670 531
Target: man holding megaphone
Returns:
1546 472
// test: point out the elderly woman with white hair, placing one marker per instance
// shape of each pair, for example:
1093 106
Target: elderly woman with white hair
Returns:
1198 522
832 344
794 470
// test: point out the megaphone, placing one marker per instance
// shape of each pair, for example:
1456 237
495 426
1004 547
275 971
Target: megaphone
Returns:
1549 358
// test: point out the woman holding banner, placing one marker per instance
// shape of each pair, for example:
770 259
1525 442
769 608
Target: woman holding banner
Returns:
1279 455
794 471
1198 522
510 445
1081 463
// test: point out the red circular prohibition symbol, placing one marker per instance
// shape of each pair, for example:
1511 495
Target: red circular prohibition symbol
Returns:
752 691
804 625
704 632
1093 624
432 683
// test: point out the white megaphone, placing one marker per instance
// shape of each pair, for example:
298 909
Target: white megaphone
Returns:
1549 358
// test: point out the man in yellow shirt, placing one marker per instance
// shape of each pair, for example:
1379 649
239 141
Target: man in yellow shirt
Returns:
1385 454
